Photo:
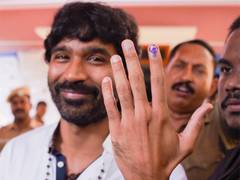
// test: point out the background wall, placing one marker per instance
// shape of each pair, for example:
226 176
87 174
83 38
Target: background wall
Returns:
25 68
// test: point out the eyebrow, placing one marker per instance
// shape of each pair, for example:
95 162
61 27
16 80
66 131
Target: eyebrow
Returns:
181 61
224 61
87 50
61 48
95 50
199 66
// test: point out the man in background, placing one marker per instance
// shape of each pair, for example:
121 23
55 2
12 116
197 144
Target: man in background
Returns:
40 112
19 100
189 79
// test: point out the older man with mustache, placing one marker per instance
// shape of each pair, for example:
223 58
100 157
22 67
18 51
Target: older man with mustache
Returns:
190 79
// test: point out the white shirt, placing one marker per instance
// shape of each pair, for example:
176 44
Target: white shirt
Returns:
26 157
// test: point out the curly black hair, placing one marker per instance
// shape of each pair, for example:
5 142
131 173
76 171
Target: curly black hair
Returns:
87 21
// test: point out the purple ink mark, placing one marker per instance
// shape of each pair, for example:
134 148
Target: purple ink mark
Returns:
153 49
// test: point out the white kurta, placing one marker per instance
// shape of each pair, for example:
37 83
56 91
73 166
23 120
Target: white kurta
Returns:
26 158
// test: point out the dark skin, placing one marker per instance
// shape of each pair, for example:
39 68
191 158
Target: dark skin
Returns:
229 87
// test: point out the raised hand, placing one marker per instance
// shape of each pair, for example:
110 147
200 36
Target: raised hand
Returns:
146 146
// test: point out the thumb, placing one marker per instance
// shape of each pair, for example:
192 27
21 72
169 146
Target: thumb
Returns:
189 136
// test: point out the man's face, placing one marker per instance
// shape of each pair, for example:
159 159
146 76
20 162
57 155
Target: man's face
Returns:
229 82
75 73
189 78
41 109
20 106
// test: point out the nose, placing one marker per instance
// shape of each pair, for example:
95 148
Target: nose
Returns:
233 83
76 71
18 105
187 74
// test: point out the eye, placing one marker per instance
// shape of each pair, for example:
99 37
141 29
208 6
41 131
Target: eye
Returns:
225 69
96 59
200 70
178 65
60 57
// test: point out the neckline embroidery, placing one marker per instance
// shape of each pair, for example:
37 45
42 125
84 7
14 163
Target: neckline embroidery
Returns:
61 162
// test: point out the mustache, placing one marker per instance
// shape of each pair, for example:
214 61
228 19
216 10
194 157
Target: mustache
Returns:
230 95
19 110
78 87
187 84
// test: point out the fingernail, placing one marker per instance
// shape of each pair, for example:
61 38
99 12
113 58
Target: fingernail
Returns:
106 79
127 44
115 59
153 49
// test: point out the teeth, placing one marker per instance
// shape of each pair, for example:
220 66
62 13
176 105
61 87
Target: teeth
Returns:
183 88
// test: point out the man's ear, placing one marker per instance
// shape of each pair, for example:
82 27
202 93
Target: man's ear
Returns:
213 90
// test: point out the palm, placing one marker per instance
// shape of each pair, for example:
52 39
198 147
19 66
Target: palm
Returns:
146 146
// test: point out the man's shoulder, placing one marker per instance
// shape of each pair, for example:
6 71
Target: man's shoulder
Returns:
33 137
229 166
6 127
26 152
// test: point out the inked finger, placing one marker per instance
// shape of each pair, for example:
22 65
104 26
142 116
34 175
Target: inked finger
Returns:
157 78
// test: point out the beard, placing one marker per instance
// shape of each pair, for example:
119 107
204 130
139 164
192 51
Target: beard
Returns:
20 114
81 112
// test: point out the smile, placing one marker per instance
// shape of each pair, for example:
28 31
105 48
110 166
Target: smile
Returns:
183 91
74 95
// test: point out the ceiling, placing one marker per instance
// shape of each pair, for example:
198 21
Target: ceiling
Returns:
164 22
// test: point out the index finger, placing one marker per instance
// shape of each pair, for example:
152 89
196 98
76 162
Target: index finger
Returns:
157 78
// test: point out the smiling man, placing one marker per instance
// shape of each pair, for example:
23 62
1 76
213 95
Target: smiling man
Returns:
190 79
81 53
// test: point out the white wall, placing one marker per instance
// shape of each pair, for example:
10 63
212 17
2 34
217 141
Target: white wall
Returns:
26 68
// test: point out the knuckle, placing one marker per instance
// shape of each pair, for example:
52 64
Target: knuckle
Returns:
136 77
156 79
122 89
143 114
111 114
